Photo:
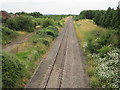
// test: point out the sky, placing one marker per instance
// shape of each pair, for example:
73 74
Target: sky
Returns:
56 6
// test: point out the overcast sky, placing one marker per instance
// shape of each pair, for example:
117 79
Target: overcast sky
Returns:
56 6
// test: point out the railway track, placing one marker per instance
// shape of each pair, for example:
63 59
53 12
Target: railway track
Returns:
63 66
60 58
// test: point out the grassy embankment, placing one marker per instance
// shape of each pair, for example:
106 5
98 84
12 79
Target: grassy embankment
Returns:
9 35
100 46
21 63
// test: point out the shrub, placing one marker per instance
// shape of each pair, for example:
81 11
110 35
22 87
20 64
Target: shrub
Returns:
99 39
104 50
8 35
108 68
52 27
24 23
42 40
11 23
49 32
47 22
12 70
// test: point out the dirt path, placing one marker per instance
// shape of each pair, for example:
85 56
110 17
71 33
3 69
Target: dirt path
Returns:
16 42
63 67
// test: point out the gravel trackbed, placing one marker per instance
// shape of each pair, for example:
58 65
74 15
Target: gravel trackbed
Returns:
63 67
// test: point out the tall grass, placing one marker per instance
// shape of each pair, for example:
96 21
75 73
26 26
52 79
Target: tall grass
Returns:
26 57
101 48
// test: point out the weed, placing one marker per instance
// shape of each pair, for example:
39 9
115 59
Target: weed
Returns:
94 81
42 40
102 50
91 70
12 70
92 63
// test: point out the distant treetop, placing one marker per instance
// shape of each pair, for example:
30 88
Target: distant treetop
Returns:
34 14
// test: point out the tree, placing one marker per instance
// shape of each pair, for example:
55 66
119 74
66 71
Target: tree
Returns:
11 23
22 22
35 14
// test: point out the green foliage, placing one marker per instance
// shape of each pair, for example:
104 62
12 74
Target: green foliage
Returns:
17 69
76 18
42 40
49 32
47 22
8 35
109 18
88 14
99 39
52 28
11 23
104 50
34 14
94 81
12 70
91 70
24 23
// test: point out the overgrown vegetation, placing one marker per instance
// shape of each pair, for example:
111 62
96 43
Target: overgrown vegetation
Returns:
102 50
37 47
20 23
7 35
108 19
12 70
20 63
27 22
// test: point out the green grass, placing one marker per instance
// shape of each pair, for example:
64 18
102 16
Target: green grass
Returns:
30 59
12 70
91 70
22 55
33 54
8 35
29 53
94 81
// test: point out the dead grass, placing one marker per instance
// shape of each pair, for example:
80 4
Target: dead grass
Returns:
83 27
21 47
92 63
22 33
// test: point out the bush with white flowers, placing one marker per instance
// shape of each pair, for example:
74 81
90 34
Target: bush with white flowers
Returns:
108 67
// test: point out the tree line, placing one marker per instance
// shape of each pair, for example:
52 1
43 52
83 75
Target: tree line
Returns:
34 14
109 18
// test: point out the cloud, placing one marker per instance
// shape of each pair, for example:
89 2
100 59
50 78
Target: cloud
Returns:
56 6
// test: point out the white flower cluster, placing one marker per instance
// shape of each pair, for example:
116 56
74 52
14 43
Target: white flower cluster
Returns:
108 67
97 39
85 45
